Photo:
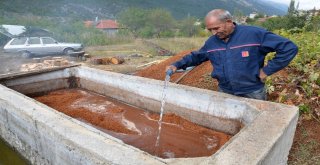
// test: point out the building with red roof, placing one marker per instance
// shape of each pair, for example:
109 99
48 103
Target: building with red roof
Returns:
108 26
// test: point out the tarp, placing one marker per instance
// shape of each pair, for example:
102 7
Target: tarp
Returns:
20 31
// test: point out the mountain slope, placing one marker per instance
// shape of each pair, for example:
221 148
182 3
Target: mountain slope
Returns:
89 9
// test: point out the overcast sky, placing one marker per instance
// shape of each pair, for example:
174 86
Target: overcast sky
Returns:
304 4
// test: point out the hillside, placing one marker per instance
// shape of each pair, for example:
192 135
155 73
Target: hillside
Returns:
89 9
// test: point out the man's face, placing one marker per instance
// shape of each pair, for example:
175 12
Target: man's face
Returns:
221 29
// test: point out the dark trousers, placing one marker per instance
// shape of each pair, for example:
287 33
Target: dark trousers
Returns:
258 94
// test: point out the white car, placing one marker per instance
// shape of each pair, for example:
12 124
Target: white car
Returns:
39 46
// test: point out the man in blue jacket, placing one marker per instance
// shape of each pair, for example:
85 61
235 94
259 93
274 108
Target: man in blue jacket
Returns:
237 54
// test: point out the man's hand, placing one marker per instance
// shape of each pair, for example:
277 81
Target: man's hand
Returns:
171 67
262 75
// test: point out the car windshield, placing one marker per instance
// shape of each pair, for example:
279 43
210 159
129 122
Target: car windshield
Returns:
18 41
48 41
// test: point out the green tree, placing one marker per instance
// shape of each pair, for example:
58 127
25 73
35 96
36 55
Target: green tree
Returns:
148 23
291 8
161 20
134 19
295 21
146 31
313 24
274 23
286 22
188 27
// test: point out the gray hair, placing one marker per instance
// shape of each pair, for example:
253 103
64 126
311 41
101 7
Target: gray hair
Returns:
221 14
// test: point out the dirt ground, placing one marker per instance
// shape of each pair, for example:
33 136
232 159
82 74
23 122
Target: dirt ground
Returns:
132 63
198 77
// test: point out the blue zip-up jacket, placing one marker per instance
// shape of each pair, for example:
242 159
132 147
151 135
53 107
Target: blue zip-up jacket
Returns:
237 63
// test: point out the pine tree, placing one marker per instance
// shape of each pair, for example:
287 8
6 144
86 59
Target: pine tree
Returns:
291 8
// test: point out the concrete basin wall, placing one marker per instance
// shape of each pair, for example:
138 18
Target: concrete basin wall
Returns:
263 131
38 83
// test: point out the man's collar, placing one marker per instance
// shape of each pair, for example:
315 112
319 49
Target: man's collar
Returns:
234 30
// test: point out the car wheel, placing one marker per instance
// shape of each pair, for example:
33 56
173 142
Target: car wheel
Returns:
26 54
68 51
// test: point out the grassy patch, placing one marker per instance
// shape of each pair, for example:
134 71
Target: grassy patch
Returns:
306 152
137 46
177 45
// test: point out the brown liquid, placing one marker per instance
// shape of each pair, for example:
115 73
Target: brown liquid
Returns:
134 126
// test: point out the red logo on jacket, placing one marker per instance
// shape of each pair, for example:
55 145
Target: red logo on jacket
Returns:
245 53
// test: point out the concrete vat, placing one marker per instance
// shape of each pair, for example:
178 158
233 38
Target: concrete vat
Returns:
263 131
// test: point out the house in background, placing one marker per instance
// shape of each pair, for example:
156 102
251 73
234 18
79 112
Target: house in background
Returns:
241 20
253 15
108 26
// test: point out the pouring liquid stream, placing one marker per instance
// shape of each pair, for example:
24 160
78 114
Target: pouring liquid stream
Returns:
167 79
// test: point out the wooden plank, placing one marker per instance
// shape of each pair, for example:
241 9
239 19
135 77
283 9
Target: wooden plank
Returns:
183 75
156 61
33 72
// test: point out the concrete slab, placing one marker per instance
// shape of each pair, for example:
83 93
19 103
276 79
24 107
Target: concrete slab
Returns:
263 131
